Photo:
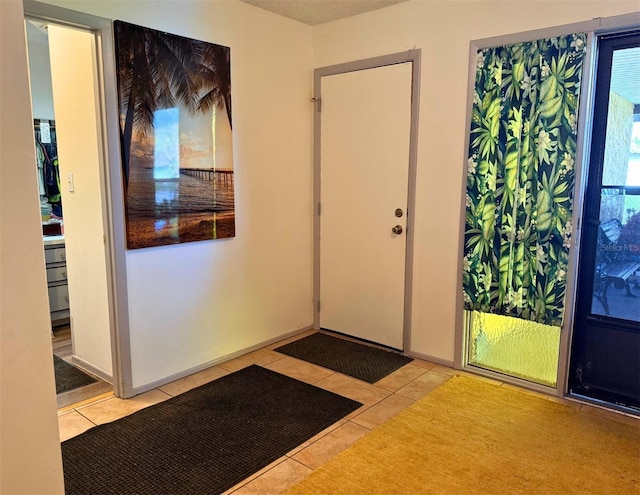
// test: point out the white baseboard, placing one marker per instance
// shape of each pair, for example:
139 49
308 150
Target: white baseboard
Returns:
90 368
431 359
163 381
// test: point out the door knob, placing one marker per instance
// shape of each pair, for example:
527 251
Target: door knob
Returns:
397 229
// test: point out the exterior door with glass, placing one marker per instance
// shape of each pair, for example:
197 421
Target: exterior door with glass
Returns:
605 356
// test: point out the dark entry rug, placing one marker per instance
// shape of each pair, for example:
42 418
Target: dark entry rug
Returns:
364 362
204 441
68 377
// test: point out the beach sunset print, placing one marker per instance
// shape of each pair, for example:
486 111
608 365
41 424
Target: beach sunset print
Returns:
176 137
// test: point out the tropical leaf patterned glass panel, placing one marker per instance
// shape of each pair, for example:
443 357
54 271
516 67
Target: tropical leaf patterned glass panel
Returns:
520 178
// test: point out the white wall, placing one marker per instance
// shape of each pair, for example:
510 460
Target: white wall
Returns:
443 30
73 74
193 303
30 460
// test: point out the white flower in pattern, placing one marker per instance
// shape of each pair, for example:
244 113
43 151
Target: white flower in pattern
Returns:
577 44
568 161
566 234
544 140
518 299
466 265
545 71
471 165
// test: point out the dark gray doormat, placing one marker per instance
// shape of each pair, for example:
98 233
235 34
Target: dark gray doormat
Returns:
204 441
68 377
350 358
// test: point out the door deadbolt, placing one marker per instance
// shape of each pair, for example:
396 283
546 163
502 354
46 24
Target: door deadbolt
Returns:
399 212
397 229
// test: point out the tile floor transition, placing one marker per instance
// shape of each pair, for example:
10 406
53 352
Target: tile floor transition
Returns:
381 400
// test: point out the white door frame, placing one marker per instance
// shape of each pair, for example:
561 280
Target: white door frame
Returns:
412 56
111 182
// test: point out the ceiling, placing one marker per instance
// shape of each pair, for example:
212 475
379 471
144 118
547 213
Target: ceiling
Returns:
314 12
626 65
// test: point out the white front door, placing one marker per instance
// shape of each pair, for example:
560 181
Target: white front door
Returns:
364 168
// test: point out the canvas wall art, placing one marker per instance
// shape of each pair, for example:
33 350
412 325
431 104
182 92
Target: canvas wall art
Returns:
176 137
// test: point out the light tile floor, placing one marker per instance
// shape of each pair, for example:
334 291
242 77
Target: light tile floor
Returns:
382 401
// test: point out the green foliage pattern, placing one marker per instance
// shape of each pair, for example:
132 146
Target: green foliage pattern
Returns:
520 178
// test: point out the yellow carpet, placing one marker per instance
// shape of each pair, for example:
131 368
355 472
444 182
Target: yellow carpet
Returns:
472 437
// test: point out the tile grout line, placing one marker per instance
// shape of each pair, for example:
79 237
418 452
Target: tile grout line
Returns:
388 393
85 417
254 477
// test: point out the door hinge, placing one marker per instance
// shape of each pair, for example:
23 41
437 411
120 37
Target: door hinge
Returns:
318 100
319 209
317 306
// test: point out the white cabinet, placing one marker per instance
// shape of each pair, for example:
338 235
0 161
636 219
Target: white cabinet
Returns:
54 255
56 274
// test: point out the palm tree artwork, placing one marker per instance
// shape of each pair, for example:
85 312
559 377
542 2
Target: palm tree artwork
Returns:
175 137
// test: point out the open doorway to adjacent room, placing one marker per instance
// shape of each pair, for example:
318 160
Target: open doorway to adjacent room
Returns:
69 161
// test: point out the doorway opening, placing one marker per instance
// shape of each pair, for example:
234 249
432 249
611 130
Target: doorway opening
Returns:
605 353
67 134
